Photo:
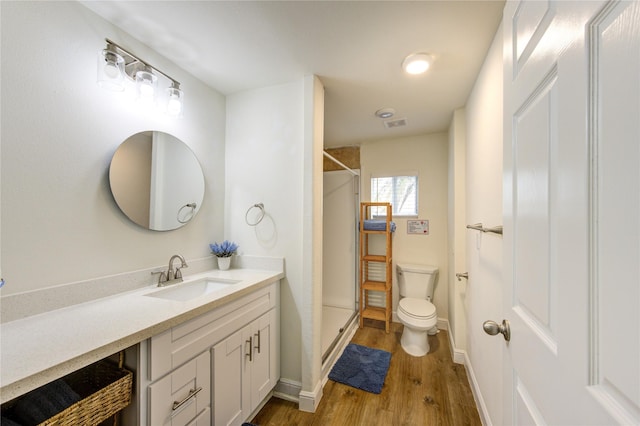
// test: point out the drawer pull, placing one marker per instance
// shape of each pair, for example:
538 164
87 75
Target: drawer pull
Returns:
192 393
258 347
250 354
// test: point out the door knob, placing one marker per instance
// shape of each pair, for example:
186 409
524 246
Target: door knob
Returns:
493 328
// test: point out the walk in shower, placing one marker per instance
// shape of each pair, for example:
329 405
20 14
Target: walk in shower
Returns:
340 249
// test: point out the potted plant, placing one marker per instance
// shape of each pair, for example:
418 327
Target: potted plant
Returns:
223 252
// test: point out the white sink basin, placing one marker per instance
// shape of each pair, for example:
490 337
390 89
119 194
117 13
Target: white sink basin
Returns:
188 291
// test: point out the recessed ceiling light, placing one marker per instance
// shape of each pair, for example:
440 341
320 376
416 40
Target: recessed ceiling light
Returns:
385 113
417 63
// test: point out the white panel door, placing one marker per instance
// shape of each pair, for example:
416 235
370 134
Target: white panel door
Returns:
263 364
231 379
572 212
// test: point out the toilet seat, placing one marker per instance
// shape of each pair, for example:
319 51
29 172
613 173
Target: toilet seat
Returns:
419 309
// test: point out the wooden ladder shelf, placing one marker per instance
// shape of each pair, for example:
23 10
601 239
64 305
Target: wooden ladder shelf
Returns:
372 277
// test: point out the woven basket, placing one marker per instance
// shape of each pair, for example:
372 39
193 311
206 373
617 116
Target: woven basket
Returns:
104 388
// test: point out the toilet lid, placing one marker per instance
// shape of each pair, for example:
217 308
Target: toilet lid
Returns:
417 308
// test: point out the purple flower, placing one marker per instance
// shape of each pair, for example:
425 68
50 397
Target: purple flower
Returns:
224 249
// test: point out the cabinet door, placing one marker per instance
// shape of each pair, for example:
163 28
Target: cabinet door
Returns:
182 396
263 366
231 378
245 370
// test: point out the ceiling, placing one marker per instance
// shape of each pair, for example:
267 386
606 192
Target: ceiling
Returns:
356 48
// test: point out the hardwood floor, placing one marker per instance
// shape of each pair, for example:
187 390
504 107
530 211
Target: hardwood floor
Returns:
429 390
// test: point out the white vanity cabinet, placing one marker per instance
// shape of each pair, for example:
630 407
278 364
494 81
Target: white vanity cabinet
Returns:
190 382
245 370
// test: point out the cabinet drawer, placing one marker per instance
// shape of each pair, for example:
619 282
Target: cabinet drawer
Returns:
181 343
204 419
183 396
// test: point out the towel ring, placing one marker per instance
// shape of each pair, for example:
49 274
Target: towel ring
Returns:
259 219
192 206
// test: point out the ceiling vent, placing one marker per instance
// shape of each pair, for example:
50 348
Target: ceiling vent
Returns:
390 124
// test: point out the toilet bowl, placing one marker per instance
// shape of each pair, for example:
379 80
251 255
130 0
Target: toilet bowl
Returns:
419 319
415 310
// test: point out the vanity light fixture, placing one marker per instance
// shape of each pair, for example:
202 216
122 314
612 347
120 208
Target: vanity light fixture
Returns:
117 65
417 63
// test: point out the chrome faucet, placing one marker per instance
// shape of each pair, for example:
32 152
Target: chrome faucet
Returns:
172 276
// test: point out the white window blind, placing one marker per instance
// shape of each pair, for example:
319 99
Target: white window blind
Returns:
400 191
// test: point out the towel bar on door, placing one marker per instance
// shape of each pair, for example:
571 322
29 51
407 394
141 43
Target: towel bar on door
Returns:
461 275
481 228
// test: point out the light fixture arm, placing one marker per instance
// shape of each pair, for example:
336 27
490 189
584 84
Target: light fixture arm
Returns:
131 60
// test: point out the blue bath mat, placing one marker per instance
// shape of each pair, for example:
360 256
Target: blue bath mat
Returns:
362 368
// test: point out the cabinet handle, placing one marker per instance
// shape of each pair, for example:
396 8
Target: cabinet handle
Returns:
258 347
192 393
250 354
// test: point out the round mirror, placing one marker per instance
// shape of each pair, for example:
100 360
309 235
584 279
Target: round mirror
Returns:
156 181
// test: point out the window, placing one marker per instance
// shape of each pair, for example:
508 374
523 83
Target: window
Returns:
400 191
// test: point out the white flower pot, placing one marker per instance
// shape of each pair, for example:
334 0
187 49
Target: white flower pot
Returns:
224 263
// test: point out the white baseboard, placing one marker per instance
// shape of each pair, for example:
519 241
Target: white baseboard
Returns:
457 355
477 395
288 390
308 401
443 324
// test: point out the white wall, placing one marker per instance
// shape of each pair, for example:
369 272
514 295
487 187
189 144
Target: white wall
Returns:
457 233
271 158
427 155
312 244
60 223
264 165
484 251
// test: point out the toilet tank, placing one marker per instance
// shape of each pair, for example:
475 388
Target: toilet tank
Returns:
417 281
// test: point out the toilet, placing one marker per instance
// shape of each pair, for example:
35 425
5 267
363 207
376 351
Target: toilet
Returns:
415 310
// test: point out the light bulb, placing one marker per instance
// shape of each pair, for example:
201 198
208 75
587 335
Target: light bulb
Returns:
146 83
110 70
417 63
175 101
146 89
385 113
417 67
174 106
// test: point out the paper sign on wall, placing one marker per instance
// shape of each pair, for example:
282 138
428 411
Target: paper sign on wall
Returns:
418 227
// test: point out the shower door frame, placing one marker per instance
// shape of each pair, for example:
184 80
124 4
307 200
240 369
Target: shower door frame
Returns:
355 180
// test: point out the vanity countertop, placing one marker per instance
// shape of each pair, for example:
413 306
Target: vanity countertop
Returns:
41 348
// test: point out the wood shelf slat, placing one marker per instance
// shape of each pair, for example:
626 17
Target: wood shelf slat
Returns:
375 285
374 258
